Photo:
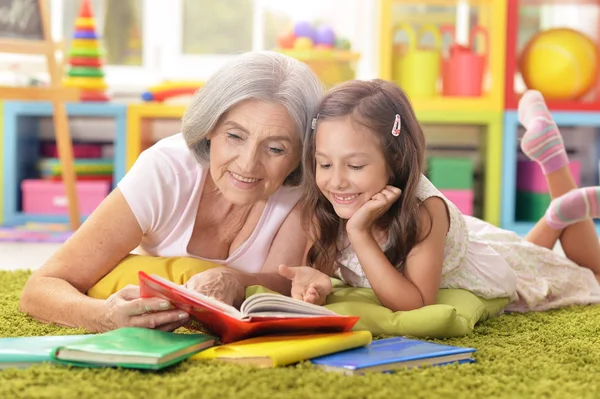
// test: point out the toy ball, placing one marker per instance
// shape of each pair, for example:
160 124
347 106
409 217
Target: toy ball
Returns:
286 40
561 63
325 35
304 29
303 43
342 44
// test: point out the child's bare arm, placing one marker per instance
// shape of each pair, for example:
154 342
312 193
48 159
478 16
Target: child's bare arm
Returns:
418 285
423 267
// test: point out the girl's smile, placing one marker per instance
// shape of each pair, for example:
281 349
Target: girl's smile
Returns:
351 166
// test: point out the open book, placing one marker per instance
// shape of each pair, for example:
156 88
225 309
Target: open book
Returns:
258 315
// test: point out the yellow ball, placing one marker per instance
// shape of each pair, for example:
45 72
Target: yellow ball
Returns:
561 63
303 43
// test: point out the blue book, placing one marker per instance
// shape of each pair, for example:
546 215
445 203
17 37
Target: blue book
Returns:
25 351
386 355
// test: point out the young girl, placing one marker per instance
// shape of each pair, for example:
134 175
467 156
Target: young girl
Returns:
378 222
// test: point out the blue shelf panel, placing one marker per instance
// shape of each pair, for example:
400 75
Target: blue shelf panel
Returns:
15 109
509 162
20 137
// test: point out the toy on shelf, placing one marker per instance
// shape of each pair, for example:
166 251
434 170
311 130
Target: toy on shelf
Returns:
561 63
167 90
533 195
329 56
464 68
463 15
453 176
85 58
417 69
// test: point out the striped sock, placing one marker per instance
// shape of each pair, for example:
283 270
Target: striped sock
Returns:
574 206
542 141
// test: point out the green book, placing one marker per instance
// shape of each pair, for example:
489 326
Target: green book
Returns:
132 347
24 351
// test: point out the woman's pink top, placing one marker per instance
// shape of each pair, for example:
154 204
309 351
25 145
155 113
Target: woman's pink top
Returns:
163 189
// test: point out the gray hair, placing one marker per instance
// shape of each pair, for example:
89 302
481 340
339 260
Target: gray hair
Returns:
260 75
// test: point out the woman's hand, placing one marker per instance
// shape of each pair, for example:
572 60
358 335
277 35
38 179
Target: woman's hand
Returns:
125 308
308 284
370 211
222 283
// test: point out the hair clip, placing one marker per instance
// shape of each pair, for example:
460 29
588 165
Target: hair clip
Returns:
397 126
314 122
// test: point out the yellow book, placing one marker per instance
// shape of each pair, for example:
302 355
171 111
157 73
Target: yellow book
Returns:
281 350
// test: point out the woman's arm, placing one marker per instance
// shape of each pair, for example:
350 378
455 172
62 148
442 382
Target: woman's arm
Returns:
420 282
56 292
288 248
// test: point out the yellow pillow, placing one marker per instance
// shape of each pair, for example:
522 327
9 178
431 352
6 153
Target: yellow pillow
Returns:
176 269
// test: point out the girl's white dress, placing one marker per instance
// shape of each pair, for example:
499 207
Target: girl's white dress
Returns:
494 263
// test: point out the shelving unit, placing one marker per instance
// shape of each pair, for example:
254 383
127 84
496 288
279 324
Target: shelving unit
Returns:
485 111
139 120
21 137
513 29
509 175
491 122
491 14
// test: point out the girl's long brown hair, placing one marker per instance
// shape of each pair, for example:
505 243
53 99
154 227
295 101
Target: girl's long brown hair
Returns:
374 104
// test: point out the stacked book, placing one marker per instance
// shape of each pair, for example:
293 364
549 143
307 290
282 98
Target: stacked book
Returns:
269 330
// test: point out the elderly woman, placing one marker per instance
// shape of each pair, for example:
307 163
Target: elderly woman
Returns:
224 190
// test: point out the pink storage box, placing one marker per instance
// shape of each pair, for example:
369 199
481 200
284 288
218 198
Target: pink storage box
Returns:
45 197
531 179
463 199
79 150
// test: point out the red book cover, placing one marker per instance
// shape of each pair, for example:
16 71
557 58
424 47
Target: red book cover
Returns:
260 314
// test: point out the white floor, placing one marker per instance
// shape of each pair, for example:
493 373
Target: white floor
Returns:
14 256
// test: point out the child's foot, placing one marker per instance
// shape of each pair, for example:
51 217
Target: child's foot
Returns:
542 141
574 206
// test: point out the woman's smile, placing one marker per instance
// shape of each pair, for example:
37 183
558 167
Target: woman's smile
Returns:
243 182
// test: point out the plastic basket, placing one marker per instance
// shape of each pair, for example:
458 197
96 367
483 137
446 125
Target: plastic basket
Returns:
330 66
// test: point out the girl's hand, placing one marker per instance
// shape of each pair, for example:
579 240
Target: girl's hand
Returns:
221 283
125 308
364 218
308 284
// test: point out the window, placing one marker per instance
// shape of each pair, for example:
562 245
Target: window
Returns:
125 26
216 27
119 22
147 41
208 32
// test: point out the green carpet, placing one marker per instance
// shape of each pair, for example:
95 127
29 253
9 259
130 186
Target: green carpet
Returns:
543 355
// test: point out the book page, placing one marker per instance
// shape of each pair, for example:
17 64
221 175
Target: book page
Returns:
274 305
201 298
